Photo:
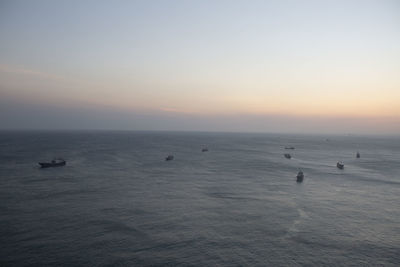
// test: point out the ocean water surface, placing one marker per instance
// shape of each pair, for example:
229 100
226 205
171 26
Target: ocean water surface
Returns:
117 202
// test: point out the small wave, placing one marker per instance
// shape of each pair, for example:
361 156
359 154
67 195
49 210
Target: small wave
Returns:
229 196
378 181
119 227
168 246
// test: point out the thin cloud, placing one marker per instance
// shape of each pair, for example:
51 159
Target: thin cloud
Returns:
175 110
18 70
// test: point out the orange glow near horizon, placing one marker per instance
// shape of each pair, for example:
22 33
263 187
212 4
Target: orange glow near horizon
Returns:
189 98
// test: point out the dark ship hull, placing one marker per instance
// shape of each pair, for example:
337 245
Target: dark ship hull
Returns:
170 157
300 177
51 164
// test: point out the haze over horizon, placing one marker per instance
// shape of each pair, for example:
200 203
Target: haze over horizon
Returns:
242 66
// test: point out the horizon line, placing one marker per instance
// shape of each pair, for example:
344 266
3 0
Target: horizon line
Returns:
197 131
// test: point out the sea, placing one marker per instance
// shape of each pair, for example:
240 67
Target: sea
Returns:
118 202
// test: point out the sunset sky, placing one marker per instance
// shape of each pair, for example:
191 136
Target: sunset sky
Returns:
263 66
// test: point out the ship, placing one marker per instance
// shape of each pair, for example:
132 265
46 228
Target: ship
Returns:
169 157
287 155
53 163
300 177
340 165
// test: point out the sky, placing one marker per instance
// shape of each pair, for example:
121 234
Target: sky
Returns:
243 66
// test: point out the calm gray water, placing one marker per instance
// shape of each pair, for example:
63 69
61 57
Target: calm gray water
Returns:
118 203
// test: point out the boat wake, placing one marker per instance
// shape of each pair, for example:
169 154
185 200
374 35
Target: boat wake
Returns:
295 227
